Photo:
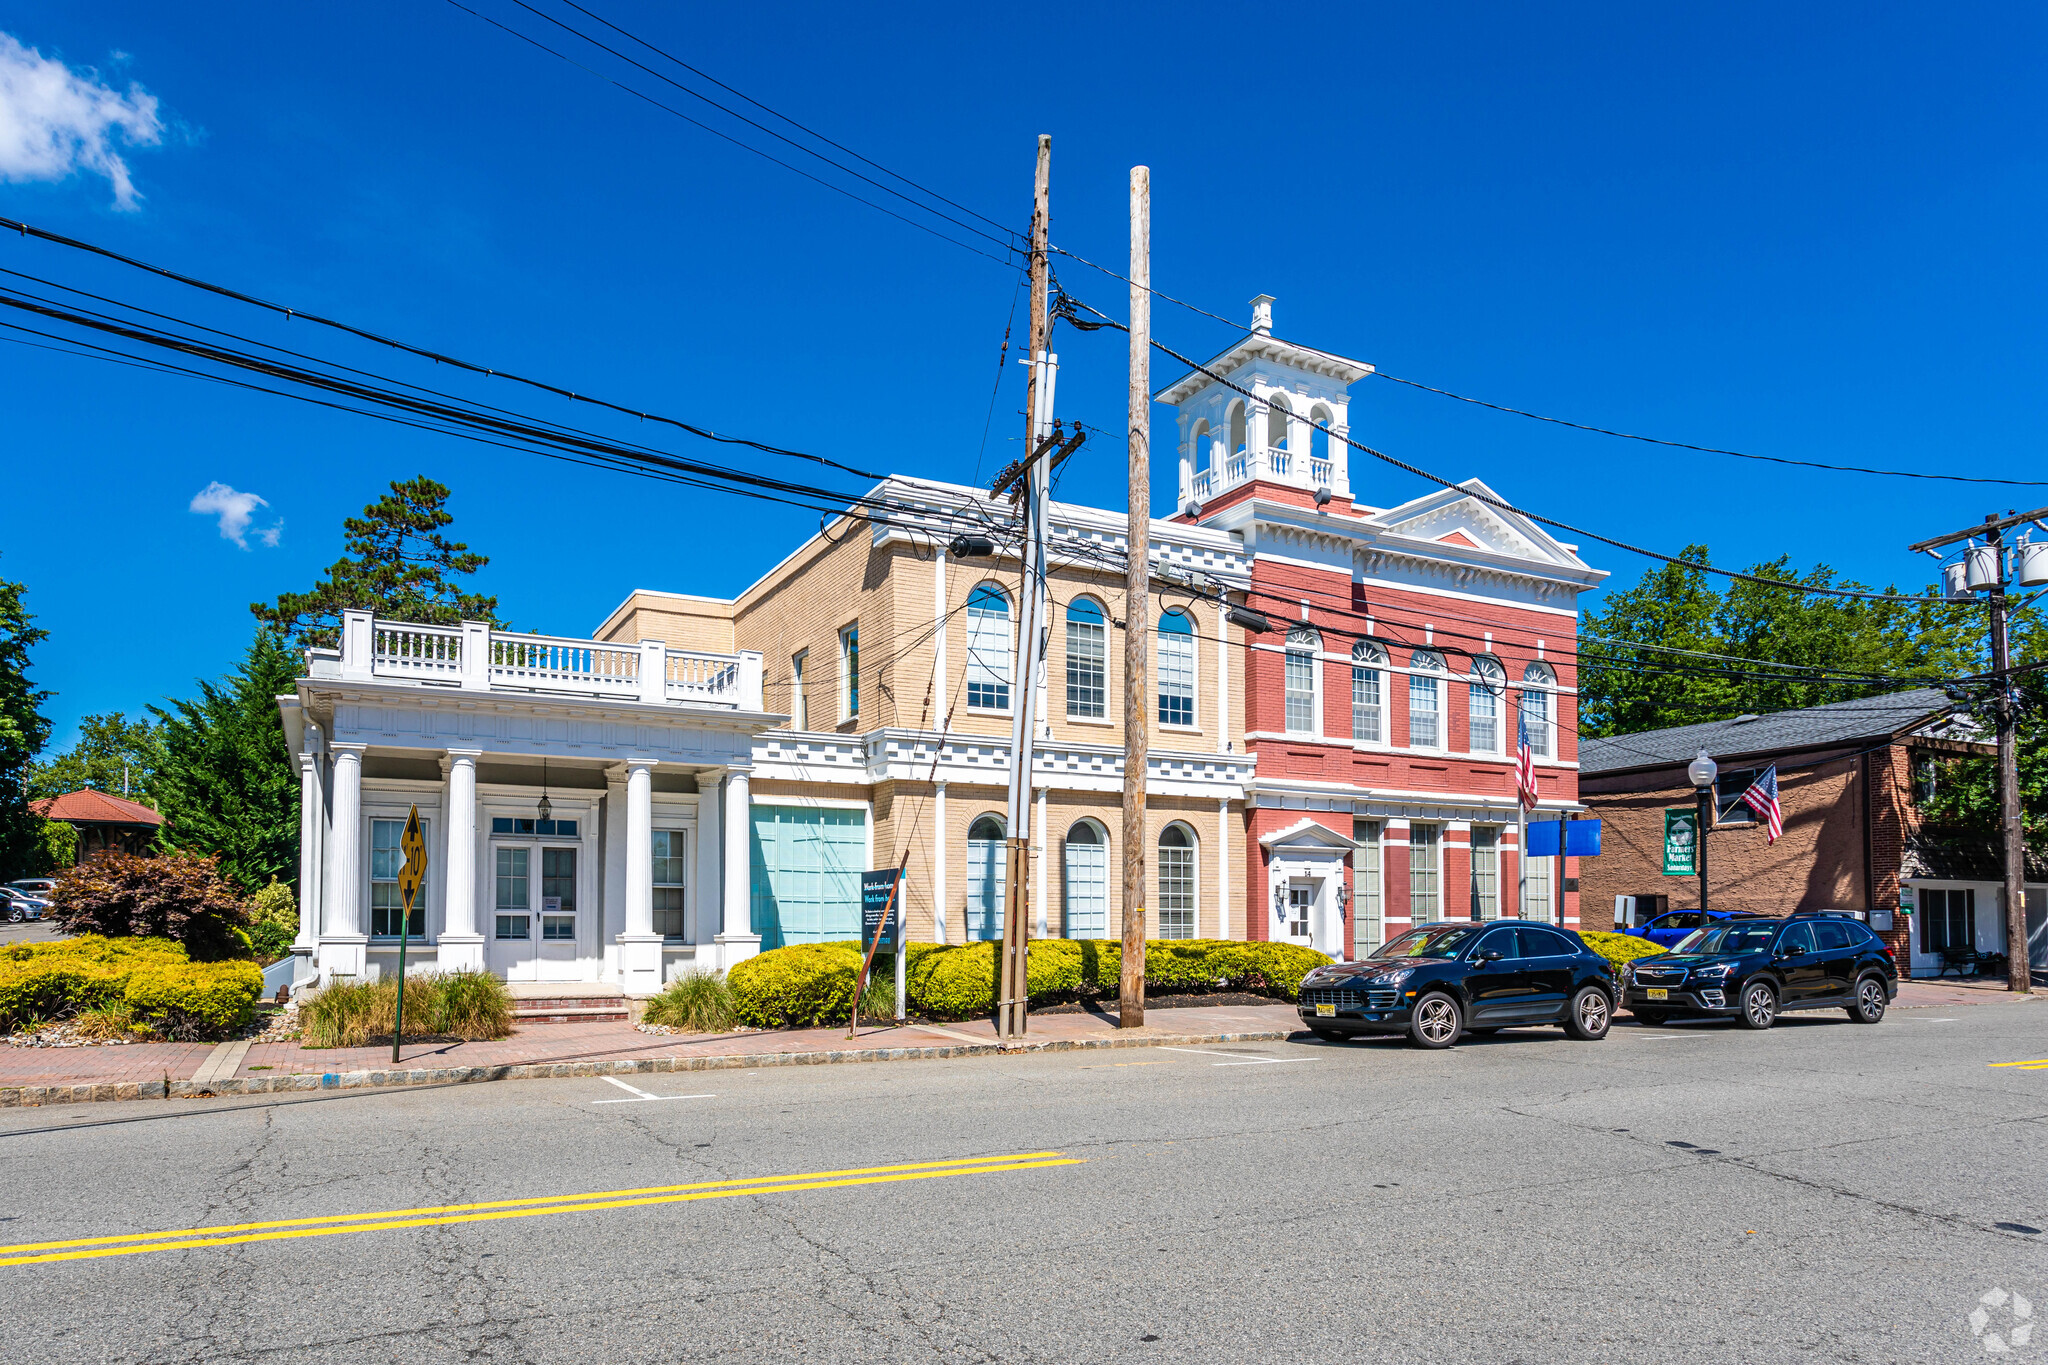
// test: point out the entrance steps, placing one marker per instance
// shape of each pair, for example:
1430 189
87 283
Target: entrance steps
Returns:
567 1003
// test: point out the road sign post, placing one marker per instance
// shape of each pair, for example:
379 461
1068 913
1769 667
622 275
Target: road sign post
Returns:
410 878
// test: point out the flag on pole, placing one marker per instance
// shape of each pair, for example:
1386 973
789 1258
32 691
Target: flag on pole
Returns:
1525 763
1762 797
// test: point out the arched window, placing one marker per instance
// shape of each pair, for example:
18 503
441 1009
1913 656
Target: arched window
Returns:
1536 678
1087 870
1367 659
1176 894
1198 457
988 649
1489 685
1318 433
985 877
1277 413
1087 660
1237 432
1176 669
1303 645
1425 700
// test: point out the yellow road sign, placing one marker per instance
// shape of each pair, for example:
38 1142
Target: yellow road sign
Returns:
414 873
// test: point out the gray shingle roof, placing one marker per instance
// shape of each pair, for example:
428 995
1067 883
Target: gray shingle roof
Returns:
1867 718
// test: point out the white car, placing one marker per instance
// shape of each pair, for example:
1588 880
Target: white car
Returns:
21 906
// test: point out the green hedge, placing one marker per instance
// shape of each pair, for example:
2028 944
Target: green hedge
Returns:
161 986
1619 948
812 984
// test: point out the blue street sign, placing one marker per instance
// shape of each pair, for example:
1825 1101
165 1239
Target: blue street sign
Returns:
1581 840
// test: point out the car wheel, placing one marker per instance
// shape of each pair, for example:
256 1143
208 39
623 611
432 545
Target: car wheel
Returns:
1590 1014
1653 1018
15 914
1436 1021
1870 1001
1759 1006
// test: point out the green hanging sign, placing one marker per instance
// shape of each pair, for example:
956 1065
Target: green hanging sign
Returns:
1681 842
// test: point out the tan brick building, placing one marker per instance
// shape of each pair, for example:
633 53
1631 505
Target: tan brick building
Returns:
1850 777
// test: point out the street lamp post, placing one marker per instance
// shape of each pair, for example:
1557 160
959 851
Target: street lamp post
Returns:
1703 771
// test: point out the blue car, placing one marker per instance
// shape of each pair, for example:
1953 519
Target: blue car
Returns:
1667 930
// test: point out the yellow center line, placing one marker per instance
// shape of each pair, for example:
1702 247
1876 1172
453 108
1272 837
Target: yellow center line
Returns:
9 1255
2037 1064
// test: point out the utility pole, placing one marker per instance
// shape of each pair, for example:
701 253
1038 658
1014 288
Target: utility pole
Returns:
1014 978
1137 611
1984 570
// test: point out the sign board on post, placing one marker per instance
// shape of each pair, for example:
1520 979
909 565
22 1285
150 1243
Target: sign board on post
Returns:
1581 838
1681 841
1907 897
410 878
876 914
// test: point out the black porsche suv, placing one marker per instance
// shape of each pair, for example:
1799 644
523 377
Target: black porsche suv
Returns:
1439 981
1753 970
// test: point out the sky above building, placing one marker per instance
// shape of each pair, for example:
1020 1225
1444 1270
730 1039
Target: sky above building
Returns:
1810 231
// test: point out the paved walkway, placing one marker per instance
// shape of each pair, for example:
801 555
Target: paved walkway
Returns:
149 1070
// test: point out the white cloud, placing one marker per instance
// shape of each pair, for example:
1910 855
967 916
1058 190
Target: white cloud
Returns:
55 121
235 510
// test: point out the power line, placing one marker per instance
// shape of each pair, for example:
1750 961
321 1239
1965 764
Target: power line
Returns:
868 161
1419 472
715 132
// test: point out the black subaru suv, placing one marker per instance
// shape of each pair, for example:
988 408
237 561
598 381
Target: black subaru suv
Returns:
1439 981
1754 970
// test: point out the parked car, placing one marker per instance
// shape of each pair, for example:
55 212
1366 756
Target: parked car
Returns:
1440 981
1667 930
1753 970
39 887
19 905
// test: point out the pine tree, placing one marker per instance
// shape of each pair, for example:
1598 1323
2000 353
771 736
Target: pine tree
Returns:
23 732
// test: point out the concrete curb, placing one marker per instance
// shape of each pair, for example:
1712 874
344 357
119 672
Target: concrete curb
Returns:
30 1096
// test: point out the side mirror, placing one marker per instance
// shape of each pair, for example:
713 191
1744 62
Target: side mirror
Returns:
1488 956
1793 950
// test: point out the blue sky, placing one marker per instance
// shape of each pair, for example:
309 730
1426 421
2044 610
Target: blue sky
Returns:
1812 231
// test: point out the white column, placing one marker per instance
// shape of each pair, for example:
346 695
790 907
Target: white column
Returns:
940 856
1226 737
939 634
462 947
705 899
1041 840
639 945
1223 889
614 864
343 941
738 942
309 849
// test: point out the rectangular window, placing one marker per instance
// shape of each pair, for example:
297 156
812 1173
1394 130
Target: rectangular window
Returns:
1536 899
1485 872
1365 704
1948 920
799 704
565 829
1087 668
849 672
988 650
512 901
558 894
1728 790
1536 715
1370 912
1176 679
1301 898
1485 720
1423 730
387 906
668 883
1301 692
1425 872
1176 891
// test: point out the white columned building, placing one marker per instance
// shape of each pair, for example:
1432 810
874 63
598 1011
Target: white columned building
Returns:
585 804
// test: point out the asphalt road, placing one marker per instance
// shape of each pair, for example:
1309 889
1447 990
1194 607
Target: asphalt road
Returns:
1522 1198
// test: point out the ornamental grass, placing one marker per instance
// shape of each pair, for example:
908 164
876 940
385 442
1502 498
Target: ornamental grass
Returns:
467 1005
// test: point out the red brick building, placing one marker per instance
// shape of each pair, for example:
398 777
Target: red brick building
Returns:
1405 642
1851 781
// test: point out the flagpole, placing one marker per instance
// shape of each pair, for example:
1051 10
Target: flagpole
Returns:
1522 860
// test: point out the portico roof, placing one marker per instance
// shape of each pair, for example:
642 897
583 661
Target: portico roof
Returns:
1262 346
1307 832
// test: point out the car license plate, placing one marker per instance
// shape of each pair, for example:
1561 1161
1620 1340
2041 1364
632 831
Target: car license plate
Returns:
1325 1011
1658 993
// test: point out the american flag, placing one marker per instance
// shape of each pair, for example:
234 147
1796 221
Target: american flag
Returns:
1762 797
1525 763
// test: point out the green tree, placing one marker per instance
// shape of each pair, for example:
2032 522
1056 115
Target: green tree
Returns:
113 754
227 784
398 564
23 732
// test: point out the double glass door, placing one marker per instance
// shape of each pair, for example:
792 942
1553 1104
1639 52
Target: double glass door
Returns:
534 928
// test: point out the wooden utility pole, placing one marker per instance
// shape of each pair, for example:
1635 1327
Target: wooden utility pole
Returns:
1137 611
1012 1000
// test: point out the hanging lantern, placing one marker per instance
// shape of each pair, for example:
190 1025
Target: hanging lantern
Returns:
1982 569
546 808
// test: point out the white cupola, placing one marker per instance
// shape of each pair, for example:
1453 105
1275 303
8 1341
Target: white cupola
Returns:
1228 440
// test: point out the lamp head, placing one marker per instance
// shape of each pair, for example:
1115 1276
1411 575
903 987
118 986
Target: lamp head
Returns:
1703 770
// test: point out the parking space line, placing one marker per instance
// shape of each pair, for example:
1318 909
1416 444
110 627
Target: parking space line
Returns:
641 1096
1239 1059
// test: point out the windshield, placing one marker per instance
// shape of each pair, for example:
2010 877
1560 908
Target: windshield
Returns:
1743 936
1430 942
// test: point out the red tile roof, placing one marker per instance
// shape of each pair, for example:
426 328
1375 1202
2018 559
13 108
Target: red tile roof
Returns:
91 807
